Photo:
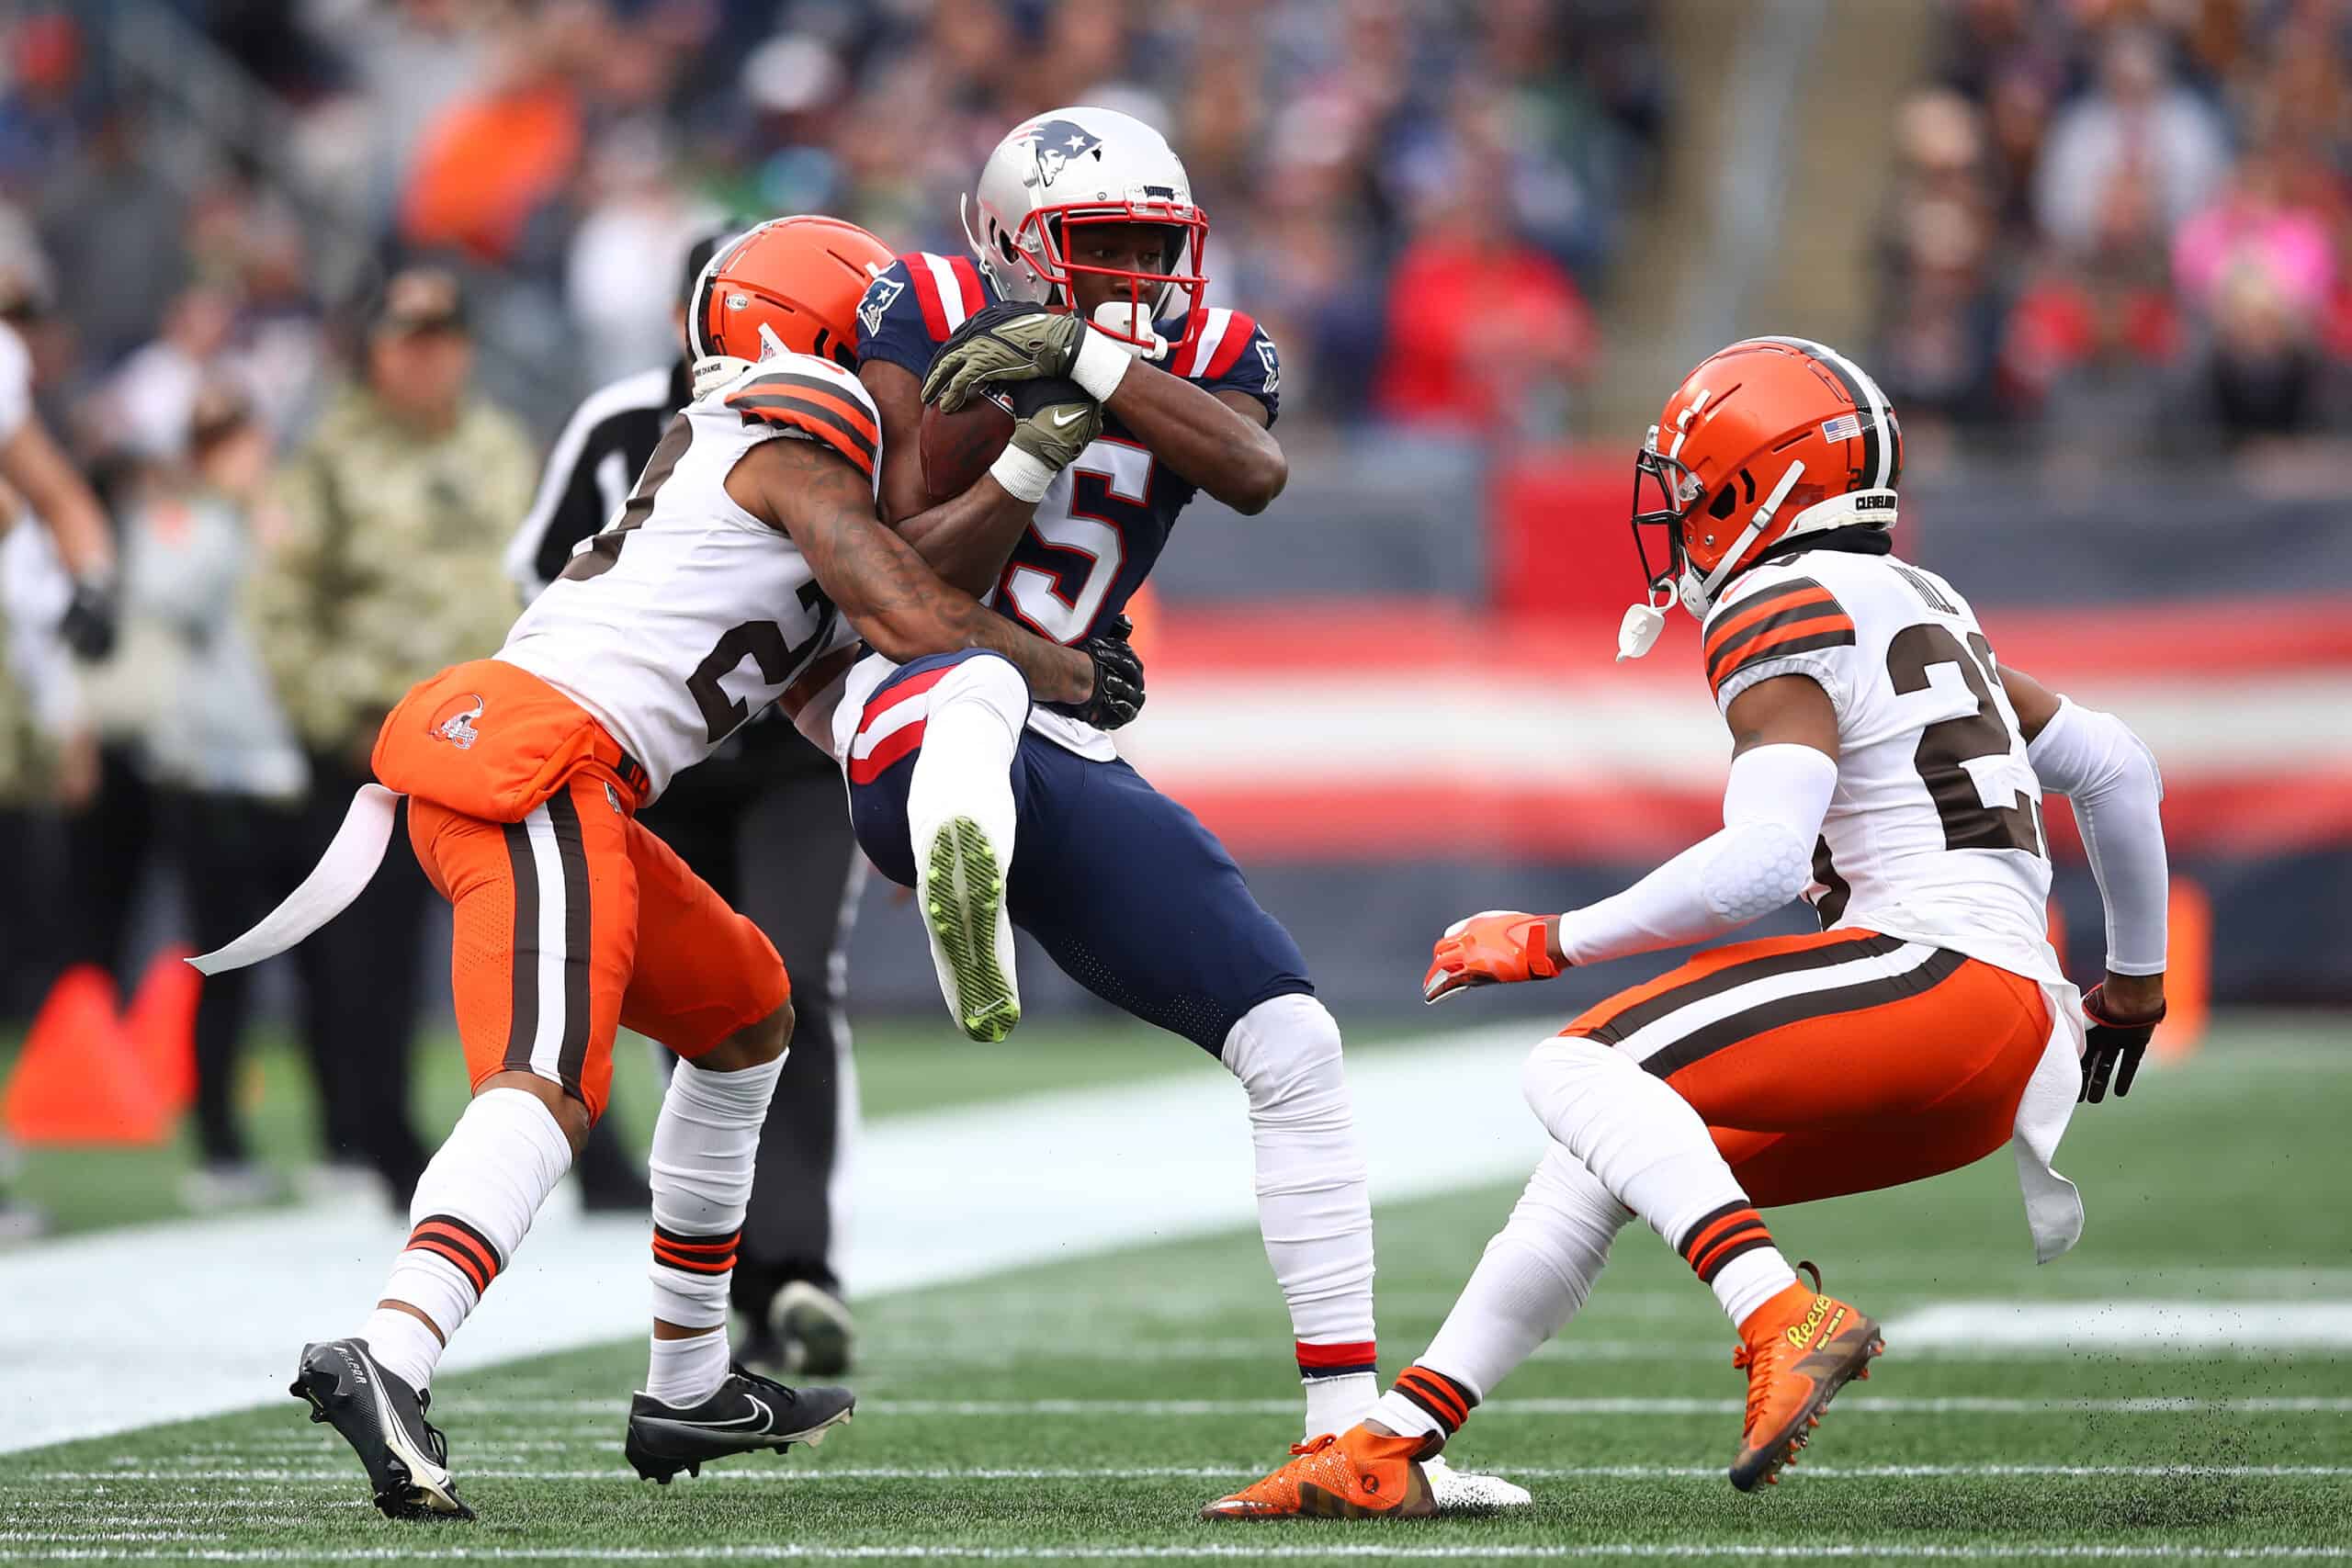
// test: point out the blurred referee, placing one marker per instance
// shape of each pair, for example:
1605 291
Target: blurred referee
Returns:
763 822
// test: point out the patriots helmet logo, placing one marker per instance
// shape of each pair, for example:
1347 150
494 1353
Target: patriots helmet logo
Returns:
1059 143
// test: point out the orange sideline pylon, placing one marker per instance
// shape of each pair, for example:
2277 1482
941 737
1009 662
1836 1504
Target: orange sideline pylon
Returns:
78 1080
161 1024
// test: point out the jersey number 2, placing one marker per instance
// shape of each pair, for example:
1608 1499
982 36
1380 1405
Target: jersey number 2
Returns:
763 643
1948 746
1094 544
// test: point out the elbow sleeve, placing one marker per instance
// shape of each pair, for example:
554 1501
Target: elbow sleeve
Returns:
1753 868
1762 859
2110 775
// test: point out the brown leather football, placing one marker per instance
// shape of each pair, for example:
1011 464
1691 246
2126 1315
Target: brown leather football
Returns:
958 448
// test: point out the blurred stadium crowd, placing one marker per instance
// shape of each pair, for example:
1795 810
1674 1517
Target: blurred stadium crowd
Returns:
300 280
307 284
2121 228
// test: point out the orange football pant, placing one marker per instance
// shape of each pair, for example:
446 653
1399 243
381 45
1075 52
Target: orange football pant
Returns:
1839 1062
576 921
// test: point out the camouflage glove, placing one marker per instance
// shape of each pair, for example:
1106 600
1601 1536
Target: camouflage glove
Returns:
1118 679
1002 343
1054 421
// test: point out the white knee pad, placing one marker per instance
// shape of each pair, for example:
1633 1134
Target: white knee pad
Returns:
990 680
1287 1050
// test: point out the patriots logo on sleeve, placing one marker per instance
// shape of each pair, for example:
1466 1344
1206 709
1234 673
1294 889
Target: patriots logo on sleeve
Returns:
879 297
1274 365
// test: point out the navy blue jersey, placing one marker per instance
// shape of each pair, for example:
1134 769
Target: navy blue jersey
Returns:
1107 517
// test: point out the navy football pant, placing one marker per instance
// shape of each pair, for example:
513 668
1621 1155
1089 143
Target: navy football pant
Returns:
1123 888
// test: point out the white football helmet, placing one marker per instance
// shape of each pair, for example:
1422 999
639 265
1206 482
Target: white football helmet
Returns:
1088 165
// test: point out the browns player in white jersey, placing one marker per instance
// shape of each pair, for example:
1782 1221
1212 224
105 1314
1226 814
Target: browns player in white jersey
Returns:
1889 770
744 570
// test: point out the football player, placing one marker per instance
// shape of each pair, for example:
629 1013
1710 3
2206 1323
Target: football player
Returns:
1888 769
1087 268
745 567
762 822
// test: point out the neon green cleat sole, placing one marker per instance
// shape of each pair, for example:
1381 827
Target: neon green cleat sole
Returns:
963 905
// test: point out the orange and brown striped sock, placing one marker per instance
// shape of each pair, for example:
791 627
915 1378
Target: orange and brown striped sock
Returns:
1423 1401
1731 1250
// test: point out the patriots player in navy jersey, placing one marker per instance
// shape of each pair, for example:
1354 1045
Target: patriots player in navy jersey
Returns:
1087 267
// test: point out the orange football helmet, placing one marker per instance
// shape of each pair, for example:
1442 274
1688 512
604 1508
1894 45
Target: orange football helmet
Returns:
1770 439
790 285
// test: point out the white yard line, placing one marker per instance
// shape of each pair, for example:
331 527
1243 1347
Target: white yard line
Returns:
216 1310
1849 1403
1256 1549
2203 1328
339 1474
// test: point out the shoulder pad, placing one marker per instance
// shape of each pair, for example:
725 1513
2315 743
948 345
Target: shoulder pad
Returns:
1781 616
803 395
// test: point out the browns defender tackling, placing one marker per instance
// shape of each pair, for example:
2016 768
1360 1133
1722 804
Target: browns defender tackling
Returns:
1888 769
745 568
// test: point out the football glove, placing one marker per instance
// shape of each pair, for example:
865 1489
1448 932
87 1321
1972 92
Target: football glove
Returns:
2111 1048
88 626
1118 679
1054 421
1001 342
1494 948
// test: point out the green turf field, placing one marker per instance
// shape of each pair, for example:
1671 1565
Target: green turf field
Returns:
902 1065
1083 1412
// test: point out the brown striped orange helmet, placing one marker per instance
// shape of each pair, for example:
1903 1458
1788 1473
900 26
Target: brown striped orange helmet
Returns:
1769 439
790 285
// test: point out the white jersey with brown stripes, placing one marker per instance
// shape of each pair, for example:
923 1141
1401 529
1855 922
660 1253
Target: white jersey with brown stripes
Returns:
1935 831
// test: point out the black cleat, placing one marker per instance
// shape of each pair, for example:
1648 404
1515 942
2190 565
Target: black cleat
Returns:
747 1412
383 1420
813 1329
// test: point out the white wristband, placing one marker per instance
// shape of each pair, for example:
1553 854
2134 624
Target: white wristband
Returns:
1100 364
1023 476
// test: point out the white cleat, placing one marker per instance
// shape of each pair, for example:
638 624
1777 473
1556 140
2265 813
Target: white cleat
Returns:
1461 1490
959 884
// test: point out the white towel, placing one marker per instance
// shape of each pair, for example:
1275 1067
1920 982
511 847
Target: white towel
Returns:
2054 1209
346 867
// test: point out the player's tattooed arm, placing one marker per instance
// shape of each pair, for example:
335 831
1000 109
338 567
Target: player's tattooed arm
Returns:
1218 441
896 602
898 397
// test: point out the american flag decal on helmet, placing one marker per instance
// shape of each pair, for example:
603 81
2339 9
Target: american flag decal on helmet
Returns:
1845 427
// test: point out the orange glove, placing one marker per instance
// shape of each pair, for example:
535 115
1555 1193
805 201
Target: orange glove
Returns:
1489 949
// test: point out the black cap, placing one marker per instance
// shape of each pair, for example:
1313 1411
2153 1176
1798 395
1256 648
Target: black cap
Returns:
419 299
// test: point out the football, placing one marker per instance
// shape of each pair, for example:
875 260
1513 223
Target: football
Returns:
958 448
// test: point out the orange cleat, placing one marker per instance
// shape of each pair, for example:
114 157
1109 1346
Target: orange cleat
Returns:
1360 1474
1799 1349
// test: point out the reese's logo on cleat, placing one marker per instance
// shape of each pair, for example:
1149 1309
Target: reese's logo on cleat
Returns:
1801 1335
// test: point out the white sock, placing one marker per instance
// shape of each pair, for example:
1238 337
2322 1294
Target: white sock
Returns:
1651 1150
402 1344
1537 1273
472 1207
1313 1204
965 768
685 1371
704 1142
1336 1404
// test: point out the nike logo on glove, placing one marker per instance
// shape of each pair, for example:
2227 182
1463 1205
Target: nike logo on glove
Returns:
1073 419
